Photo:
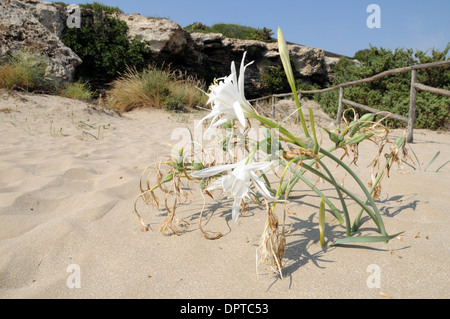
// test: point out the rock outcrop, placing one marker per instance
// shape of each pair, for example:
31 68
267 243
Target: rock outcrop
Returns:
218 51
21 30
38 25
51 16
209 54
161 34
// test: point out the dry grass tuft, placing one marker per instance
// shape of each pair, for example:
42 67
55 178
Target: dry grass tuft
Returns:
23 70
155 88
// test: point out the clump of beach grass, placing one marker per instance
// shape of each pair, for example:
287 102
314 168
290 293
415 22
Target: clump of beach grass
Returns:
77 90
23 70
155 88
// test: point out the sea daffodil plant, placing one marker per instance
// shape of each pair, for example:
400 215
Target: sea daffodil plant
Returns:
243 179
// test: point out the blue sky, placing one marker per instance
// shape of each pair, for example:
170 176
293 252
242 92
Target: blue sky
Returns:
334 25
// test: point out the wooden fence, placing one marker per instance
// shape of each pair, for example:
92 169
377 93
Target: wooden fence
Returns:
412 107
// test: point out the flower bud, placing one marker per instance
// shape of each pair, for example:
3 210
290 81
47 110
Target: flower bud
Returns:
198 166
354 127
167 178
366 119
357 138
227 125
333 137
400 141
284 54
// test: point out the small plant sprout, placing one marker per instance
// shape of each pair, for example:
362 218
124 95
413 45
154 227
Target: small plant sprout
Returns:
419 166
253 175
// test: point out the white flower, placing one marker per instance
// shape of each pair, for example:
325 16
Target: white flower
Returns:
227 98
237 183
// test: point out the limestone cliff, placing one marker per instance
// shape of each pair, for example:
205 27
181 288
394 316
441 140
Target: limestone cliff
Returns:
27 26
38 25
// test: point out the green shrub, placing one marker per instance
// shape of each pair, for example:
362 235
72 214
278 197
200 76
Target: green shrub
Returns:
99 6
274 79
234 31
61 3
103 45
391 93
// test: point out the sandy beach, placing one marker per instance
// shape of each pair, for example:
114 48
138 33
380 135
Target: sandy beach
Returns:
69 177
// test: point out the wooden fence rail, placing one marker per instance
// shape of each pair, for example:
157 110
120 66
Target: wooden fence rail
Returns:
413 91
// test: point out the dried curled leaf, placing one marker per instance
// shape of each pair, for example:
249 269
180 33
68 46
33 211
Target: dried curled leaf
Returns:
207 234
272 243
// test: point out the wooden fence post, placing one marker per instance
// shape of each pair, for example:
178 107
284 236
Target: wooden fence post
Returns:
412 107
340 106
273 107
297 119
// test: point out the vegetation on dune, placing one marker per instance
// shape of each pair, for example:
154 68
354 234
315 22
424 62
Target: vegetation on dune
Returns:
94 5
103 45
392 93
23 70
27 71
234 31
274 79
109 55
78 90
153 87
99 6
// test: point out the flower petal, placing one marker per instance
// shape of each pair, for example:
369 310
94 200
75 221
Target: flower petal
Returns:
205 118
240 188
260 186
213 170
236 209
242 75
215 184
258 166
239 112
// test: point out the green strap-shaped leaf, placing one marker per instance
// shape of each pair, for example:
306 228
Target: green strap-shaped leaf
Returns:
363 239
442 166
431 162
322 222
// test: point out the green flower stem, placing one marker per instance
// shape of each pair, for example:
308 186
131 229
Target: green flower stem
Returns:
296 178
300 175
363 187
253 152
344 206
285 60
291 185
346 191
307 144
290 137
267 182
358 217
281 182
322 222
313 127
300 113
333 208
